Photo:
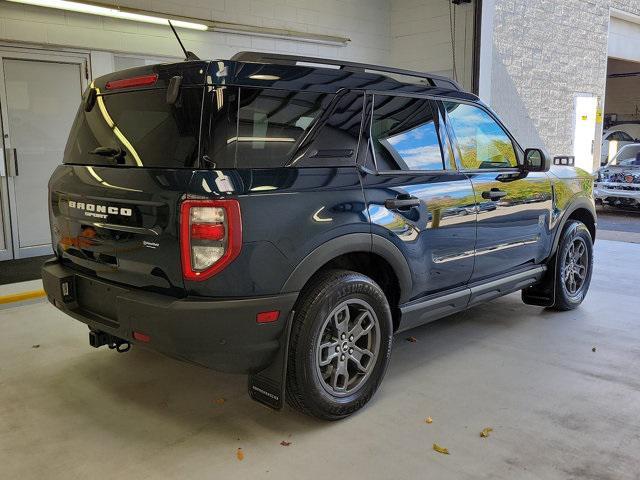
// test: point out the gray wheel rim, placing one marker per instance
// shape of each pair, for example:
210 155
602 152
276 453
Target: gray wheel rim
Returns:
347 347
575 267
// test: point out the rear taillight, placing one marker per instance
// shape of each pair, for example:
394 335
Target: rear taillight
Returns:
210 236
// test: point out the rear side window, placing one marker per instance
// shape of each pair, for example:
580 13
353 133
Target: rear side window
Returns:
137 128
405 134
259 128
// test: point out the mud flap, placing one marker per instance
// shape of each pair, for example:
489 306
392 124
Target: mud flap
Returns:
543 293
268 385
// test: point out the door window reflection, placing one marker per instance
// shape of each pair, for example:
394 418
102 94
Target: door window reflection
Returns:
482 143
405 134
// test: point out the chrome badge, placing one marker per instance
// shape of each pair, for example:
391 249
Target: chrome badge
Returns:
99 211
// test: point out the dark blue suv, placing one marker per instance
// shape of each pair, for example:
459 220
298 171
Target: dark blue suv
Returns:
284 217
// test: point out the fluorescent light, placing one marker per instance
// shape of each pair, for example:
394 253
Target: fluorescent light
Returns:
281 34
138 15
108 11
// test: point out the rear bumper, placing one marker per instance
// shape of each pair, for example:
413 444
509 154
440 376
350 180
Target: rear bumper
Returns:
218 334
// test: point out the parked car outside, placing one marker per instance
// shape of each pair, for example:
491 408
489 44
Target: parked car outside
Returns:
273 216
618 183
612 142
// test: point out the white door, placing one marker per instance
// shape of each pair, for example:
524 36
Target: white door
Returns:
584 140
40 94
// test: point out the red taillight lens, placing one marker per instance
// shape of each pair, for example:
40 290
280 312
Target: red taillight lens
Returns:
142 81
210 236
202 231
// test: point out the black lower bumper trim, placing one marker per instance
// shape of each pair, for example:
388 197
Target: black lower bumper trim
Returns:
220 334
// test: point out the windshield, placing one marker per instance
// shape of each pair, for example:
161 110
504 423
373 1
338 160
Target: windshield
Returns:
627 156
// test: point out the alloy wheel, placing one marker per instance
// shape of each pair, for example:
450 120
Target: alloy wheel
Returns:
575 266
348 347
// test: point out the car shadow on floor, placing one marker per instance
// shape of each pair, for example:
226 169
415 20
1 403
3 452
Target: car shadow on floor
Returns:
142 392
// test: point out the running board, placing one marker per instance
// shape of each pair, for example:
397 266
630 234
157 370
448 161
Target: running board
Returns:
425 311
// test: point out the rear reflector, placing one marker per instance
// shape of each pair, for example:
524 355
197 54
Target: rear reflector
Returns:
268 317
142 81
141 337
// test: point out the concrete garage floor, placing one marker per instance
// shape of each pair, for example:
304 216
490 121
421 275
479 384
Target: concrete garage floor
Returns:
558 409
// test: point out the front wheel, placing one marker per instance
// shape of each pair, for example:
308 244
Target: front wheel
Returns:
575 266
340 345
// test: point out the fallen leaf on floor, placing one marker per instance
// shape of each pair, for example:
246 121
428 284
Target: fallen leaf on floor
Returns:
593 349
284 443
439 449
220 401
240 454
429 420
485 433
412 339
35 346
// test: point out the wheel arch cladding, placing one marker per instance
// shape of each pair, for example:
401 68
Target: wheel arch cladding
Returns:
373 256
582 210
587 217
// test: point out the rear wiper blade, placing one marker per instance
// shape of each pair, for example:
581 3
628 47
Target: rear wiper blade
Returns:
108 152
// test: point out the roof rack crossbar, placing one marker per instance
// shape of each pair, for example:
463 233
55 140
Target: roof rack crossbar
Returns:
283 59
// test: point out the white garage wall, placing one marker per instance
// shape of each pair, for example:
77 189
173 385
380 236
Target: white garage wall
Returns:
421 37
366 22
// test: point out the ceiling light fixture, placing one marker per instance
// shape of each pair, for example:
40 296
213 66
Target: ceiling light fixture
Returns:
126 13
111 11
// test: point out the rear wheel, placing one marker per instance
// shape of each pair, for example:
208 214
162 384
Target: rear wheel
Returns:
575 265
340 345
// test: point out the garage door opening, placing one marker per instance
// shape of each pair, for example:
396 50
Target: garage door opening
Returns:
622 107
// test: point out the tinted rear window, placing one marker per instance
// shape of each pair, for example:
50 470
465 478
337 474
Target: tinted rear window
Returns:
138 128
259 128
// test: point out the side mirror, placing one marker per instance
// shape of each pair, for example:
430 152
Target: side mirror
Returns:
536 160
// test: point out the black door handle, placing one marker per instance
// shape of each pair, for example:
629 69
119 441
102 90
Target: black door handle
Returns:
398 203
494 194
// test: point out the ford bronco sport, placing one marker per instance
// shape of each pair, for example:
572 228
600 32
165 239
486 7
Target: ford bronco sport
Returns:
284 217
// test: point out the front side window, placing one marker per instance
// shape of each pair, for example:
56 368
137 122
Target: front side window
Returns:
482 143
404 134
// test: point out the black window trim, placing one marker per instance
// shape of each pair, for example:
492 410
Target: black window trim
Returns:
371 94
318 124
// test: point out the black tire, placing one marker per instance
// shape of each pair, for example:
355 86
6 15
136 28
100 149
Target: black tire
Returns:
567 298
319 310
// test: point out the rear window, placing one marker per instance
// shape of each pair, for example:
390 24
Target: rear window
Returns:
138 128
259 128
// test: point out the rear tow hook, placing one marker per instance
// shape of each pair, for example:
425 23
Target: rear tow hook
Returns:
120 346
98 338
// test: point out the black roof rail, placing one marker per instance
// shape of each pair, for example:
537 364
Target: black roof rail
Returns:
283 59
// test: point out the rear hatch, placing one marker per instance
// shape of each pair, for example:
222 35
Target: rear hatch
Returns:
114 203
